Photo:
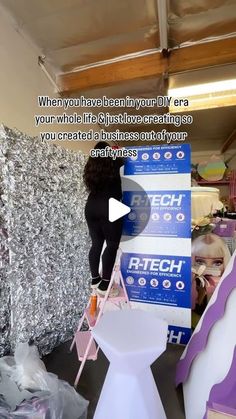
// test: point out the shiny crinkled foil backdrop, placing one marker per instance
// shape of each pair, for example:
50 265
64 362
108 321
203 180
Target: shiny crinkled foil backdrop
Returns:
5 310
45 285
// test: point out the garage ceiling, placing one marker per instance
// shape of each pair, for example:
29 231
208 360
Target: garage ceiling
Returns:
80 37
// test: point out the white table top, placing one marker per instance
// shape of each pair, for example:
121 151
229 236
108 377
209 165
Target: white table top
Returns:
131 330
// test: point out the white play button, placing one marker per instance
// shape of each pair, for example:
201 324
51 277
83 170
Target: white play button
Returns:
117 209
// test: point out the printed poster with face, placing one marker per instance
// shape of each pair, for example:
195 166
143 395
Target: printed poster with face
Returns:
210 256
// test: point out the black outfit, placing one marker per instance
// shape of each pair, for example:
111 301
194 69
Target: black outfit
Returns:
101 229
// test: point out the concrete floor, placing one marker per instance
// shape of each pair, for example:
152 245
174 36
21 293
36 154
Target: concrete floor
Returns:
65 365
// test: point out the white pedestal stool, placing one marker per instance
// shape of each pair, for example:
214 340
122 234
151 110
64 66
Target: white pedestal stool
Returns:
131 340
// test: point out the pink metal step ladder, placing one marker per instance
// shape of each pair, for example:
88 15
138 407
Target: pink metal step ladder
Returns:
85 344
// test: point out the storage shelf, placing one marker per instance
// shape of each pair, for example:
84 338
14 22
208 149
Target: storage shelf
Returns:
217 182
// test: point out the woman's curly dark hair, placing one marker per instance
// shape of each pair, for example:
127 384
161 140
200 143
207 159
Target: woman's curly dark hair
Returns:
99 171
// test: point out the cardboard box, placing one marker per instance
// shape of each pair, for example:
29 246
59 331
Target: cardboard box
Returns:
217 411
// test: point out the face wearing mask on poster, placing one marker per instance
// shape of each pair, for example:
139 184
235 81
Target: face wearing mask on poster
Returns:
210 256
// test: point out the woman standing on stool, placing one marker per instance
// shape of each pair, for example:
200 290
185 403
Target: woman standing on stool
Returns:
102 179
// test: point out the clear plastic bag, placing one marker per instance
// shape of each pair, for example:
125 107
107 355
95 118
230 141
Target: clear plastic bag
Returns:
28 371
26 368
44 407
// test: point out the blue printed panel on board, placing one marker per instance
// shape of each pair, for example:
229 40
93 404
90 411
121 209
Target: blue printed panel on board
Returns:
155 279
178 334
159 160
170 214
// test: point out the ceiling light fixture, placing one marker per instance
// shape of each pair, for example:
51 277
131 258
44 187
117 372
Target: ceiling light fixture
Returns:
201 89
205 96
